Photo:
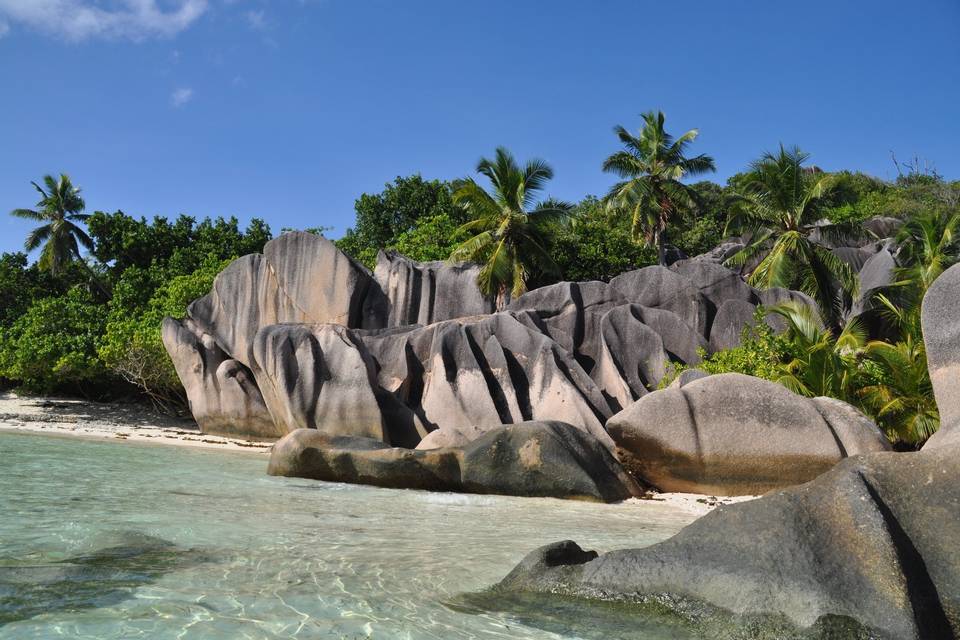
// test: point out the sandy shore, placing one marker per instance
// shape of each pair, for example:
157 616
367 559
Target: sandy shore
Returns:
121 422
111 421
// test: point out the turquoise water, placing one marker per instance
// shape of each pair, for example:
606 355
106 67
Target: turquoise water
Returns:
119 540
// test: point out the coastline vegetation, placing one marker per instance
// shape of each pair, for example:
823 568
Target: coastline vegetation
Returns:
89 324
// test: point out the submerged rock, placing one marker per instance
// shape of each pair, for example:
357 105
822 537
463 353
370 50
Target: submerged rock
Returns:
546 459
732 434
874 540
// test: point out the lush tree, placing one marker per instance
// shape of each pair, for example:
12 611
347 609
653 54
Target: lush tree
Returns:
596 245
383 217
652 166
433 237
779 204
510 229
702 228
123 241
132 347
60 210
52 347
20 285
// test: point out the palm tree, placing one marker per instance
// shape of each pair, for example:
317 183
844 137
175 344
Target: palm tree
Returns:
652 166
901 395
928 245
59 208
779 205
510 230
822 363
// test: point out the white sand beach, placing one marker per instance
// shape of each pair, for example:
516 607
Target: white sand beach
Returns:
114 421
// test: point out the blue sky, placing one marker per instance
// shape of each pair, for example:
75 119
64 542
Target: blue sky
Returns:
289 109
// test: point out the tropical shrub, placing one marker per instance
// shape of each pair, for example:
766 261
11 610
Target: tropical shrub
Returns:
132 347
53 346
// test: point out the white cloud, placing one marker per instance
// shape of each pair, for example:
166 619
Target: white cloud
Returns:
256 19
4 28
118 19
181 96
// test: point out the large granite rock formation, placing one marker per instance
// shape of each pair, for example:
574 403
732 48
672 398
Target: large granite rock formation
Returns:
459 378
940 317
547 459
427 292
874 540
223 395
732 434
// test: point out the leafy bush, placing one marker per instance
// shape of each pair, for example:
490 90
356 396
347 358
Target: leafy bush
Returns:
596 245
761 354
132 346
52 347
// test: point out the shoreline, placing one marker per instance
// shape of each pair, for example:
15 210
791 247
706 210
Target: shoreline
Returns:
116 422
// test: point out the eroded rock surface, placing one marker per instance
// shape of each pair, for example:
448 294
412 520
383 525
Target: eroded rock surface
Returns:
427 292
732 434
941 335
874 540
547 459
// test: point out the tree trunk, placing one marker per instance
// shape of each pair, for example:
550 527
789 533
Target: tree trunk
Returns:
661 248
95 279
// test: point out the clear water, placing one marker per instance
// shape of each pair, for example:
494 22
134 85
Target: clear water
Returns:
109 540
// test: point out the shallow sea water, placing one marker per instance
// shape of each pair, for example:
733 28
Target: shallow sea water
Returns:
119 540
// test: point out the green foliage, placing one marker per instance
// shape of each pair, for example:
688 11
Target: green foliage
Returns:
821 363
132 346
59 209
397 210
779 204
432 238
596 245
179 247
95 345
510 231
52 347
761 354
651 167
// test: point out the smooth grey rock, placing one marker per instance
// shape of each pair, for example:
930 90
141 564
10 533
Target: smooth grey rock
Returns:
428 292
222 393
855 257
570 313
661 288
732 318
882 226
547 459
301 277
473 374
873 539
940 317
776 295
715 282
876 273
317 377
732 434
686 377
631 357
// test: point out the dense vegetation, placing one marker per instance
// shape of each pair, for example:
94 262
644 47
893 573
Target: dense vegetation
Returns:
90 324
